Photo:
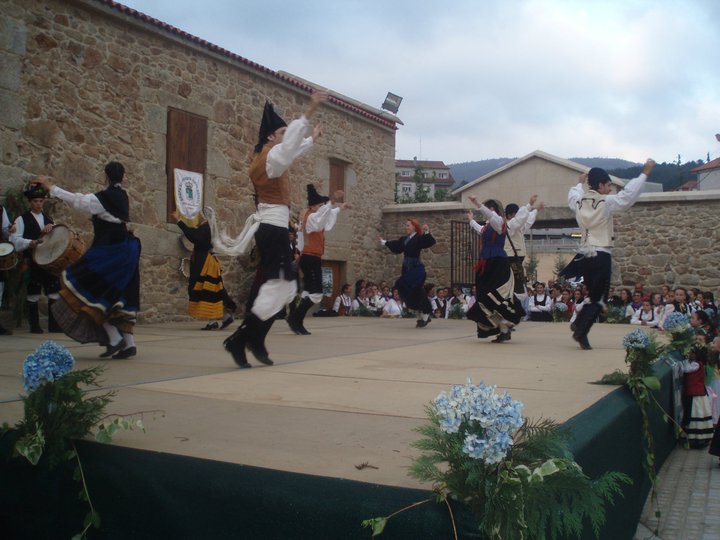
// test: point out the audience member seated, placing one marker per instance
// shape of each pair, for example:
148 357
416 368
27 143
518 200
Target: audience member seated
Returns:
393 308
540 304
645 316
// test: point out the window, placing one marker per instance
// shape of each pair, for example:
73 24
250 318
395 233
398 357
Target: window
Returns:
337 175
186 148
405 173
442 175
406 188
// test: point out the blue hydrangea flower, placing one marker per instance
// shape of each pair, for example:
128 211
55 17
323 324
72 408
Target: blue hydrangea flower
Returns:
637 339
560 306
48 363
486 419
676 322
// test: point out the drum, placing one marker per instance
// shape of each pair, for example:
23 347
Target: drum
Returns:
8 256
58 249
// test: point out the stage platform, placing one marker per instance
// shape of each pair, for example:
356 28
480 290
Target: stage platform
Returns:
340 403
348 394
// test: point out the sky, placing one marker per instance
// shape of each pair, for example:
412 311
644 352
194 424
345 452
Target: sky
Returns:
484 79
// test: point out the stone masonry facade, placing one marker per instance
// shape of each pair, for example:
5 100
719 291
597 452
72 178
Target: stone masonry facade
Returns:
83 83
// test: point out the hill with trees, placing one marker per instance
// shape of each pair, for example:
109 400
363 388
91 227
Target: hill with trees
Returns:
670 175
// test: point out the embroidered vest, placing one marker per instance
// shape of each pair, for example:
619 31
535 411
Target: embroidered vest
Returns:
596 224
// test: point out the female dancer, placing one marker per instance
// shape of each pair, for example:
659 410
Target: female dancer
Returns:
411 281
496 309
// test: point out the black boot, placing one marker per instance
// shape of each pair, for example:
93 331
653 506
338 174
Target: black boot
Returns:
235 345
53 326
299 315
256 332
34 318
583 324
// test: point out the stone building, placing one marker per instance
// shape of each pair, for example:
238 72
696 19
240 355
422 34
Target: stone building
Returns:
84 82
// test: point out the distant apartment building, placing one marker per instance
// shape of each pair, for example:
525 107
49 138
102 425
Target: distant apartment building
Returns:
436 175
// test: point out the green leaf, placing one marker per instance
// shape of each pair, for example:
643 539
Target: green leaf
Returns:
652 382
376 524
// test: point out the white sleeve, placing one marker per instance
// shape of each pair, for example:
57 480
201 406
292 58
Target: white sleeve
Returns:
88 203
475 226
519 220
496 222
636 317
20 243
322 220
336 305
689 367
532 216
574 195
5 224
294 144
627 197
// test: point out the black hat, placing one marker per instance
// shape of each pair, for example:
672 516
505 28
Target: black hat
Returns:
597 176
314 197
270 123
35 191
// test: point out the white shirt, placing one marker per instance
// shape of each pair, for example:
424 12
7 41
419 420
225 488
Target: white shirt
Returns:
540 307
5 225
613 202
323 219
495 221
88 203
346 301
392 308
649 318
20 243
294 144
520 224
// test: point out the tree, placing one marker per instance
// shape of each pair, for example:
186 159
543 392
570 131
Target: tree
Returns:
560 264
422 192
531 266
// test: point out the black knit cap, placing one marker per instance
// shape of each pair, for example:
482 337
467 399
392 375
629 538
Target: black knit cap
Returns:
270 123
35 191
314 197
597 176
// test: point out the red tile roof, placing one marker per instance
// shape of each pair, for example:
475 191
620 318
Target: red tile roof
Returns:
710 165
424 164
687 186
224 52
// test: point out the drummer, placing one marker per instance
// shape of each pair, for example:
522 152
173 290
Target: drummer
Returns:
100 296
4 237
30 227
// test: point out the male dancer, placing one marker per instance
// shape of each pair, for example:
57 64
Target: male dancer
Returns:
30 227
519 220
593 212
320 217
279 145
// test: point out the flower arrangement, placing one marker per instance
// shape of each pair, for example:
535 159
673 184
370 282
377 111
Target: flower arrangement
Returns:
518 477
457 312
616 315
560 312
57 411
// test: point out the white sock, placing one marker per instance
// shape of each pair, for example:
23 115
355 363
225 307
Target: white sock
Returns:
113 333
129 340
425 316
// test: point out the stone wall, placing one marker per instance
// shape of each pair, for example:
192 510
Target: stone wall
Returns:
83 83
670 238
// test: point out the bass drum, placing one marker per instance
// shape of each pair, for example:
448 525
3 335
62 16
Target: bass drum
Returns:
8 256
58 249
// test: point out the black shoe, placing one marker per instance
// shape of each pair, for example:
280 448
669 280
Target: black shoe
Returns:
211 326
125 353
421 323
260 353
227 322
294 325
112 349
502 336
235 345
582 341
303 331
